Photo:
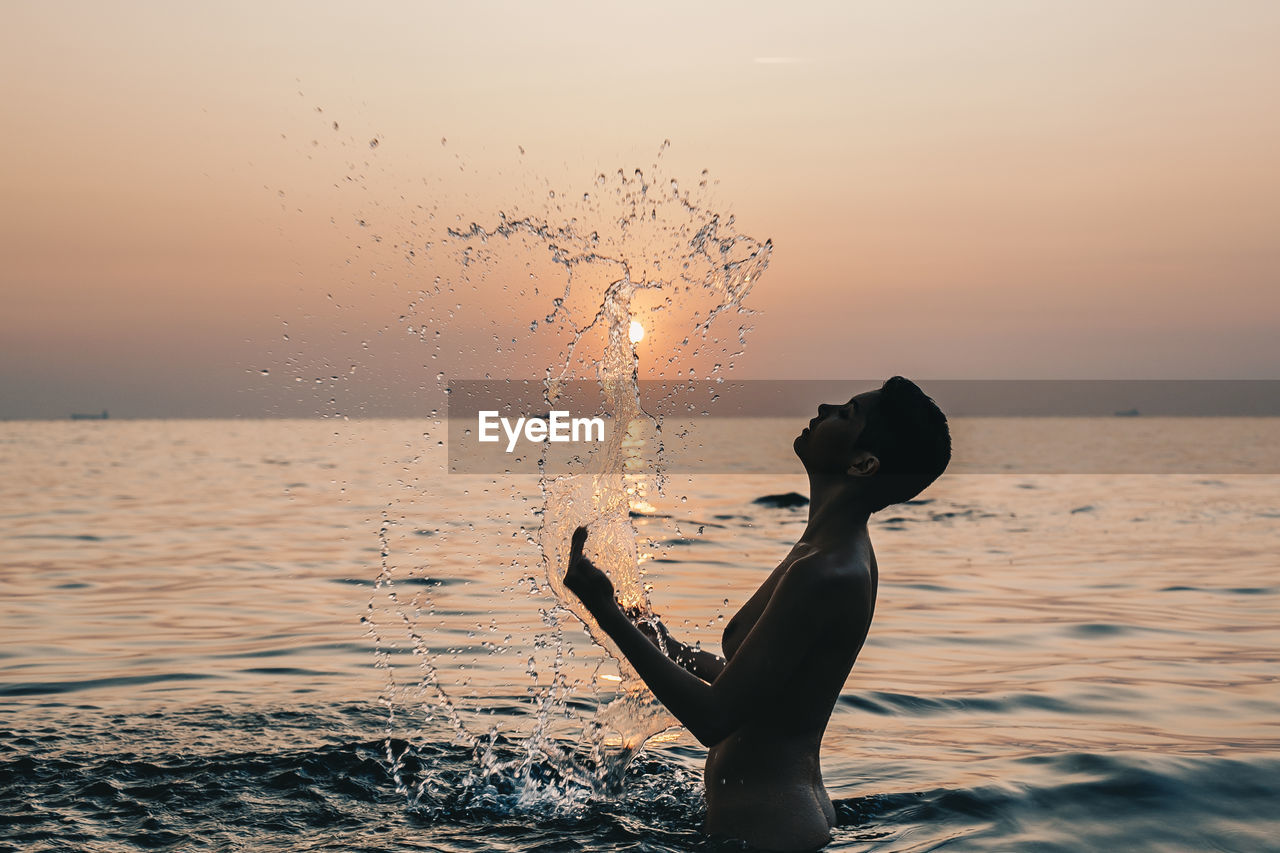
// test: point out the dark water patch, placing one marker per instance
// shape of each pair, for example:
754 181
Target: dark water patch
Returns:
67 537
428 581
1234 590
1098 629
73 586
905 704
634 513
1080 509
731 517
959 513
366 582
927 587
858 811
694 522
782 501
919 501
54 687
931 819
291 671
682 541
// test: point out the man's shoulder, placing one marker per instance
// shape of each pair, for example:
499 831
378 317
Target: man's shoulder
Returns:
829 573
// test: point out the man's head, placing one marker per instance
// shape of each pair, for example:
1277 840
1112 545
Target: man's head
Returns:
894 442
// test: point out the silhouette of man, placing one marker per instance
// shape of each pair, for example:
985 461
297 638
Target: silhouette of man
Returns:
761 709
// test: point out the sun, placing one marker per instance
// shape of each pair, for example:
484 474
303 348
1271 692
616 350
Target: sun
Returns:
637 332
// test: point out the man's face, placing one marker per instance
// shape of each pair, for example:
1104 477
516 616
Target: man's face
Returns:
826 445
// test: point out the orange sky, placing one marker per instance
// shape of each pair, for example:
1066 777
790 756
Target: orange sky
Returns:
1014 189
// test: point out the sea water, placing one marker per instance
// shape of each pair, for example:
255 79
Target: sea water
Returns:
1057 661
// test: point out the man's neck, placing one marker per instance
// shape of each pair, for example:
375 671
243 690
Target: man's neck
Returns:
838 513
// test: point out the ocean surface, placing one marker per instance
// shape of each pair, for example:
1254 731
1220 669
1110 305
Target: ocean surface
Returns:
300 635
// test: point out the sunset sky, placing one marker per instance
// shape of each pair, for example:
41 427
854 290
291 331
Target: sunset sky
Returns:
953 190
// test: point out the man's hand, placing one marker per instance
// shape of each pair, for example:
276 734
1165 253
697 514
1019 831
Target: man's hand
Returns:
583 579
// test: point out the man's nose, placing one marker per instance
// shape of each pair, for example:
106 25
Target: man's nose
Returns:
824 409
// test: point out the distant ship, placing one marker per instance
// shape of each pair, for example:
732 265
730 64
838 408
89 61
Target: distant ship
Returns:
1124 413
79 417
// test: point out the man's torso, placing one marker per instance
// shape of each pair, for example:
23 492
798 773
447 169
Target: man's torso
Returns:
764 780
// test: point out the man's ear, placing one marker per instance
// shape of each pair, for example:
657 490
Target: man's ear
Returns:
864 464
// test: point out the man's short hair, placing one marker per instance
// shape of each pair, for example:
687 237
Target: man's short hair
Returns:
908 433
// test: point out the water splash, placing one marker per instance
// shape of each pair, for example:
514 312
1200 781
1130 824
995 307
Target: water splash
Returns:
631 244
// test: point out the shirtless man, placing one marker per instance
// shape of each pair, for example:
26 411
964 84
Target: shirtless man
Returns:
761 709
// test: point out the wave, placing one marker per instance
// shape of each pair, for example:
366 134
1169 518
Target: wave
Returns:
318 779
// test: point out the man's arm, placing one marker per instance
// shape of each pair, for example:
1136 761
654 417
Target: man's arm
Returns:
703 664
803 605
